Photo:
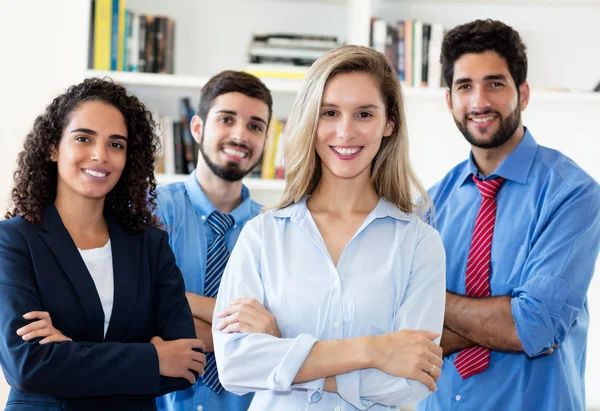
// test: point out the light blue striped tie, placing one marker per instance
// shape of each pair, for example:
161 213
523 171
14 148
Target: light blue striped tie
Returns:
216 261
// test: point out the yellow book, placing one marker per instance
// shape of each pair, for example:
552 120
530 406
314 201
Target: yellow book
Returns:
102 32
268 163
121 36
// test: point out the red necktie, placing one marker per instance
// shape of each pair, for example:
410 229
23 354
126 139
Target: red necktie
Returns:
476 359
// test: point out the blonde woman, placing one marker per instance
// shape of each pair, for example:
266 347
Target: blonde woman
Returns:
353 277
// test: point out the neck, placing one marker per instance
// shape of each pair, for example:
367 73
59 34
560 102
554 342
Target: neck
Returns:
82 217
224 195
488 160
344 195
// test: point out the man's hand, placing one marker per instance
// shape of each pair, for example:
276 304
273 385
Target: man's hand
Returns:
204 333
179 358
247 315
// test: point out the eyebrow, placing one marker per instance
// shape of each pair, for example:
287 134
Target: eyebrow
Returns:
363 107
486 78
94 133
234 113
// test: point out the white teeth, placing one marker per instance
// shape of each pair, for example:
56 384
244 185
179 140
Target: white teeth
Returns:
482 119
345 151
95 173
235 153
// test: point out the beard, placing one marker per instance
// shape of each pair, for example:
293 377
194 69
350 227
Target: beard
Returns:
508 127
230 171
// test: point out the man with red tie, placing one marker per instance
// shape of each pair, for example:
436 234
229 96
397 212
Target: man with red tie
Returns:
521 226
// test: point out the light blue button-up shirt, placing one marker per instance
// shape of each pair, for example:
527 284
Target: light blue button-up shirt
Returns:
183 208
544 249
390 276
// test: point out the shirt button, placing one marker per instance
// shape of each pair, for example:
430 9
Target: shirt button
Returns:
199 407
235 226
336 324
336 282
203 218
457 398
337 409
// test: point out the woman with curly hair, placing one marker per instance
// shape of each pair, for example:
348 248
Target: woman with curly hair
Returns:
81 252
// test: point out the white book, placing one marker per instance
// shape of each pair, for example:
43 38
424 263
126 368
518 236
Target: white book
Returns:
168 142
417 53
434 74
379 35
134 44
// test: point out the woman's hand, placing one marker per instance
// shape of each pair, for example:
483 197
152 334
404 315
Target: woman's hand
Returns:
42 328
178 358
410 354
247 315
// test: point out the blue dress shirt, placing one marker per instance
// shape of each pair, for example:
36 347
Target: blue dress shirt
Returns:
544 249
183 208
390 276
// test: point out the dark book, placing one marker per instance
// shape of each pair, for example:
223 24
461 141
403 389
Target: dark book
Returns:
281 60
425 58
91 35
170 46
178 149
187 113
142 43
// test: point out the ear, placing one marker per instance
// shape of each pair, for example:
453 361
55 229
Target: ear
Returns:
53 153
196 126
524 94
449 100
389 128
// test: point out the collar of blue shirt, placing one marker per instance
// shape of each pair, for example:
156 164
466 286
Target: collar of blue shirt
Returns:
515 167
203 205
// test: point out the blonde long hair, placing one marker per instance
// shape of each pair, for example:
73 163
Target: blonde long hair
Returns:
391 173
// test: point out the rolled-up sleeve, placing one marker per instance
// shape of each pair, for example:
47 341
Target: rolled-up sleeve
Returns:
254 362
559 269
421 308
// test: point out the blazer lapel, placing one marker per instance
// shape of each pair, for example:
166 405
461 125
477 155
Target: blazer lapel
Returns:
58 240
126 248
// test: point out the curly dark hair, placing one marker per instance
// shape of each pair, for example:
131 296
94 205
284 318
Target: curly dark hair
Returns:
132 200
480 36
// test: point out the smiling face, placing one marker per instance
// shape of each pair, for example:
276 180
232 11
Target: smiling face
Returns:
91 152
484 100
233 136
352 123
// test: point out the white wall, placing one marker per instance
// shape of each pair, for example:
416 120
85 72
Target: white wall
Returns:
43 51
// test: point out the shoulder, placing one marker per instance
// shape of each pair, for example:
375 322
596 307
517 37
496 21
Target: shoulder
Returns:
564 168
15 229
170 199
256 208
169 195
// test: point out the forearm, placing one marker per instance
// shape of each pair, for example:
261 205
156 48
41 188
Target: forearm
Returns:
202 307
330 358
485 321
452 342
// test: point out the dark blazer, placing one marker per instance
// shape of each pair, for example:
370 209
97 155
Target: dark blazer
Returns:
42 270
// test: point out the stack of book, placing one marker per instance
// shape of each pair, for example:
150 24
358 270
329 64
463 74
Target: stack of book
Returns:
413 47
285 55
123 40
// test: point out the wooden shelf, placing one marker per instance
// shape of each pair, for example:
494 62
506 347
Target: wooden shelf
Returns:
184 82
251 183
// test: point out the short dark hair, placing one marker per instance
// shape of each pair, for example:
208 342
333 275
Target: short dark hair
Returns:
132 200
230 81
480 36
